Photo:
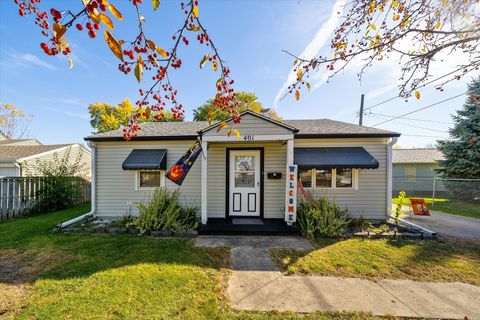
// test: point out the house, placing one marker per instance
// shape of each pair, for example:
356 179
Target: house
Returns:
414 171
253 175
18 156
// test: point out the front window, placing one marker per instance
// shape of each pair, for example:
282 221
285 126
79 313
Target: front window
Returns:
327 178
149 179
244 171
306 177
344 178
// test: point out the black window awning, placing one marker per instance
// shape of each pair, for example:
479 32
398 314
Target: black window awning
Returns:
335 157
146 159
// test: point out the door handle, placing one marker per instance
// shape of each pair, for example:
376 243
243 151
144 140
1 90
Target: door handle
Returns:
258 183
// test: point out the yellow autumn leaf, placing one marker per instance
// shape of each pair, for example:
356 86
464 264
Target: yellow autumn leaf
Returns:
229 132
237 133
162 52
297 95
214 65
151 45
114 45
417 94
138 71
374 27
222 125
59 30
95 16
195 11
438 25
395 3
299 73
70 63
204 60
308 85
107 21
114 11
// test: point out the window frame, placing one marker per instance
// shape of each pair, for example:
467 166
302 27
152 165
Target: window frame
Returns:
137 179
334 180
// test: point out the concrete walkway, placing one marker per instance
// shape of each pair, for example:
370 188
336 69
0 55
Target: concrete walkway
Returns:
256 284
449 225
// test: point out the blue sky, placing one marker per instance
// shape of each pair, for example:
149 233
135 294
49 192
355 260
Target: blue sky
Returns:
250 36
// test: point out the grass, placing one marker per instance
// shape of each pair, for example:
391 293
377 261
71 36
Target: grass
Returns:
452 206
45 275
387 259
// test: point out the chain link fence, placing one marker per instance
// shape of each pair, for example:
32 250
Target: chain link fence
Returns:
460 196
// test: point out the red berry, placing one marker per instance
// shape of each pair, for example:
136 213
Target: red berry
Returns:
89 26
92 34
103 7
79 27
96 26
44 46
68 49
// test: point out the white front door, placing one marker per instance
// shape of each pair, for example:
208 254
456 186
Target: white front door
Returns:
244 183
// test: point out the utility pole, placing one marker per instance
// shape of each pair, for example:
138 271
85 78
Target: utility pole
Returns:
360 119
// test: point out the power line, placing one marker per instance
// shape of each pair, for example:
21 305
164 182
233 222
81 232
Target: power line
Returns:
412 119
423 85
415 126
422 136
420 109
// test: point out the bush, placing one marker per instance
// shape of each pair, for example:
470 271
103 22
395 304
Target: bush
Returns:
162 212
322 217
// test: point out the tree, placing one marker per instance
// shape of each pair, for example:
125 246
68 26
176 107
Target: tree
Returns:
462 151
105 117
245 100
137 54
13 121
415 31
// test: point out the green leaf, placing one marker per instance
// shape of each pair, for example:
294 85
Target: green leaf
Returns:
155 4
194 28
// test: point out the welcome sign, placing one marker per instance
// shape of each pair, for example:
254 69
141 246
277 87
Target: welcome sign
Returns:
291 196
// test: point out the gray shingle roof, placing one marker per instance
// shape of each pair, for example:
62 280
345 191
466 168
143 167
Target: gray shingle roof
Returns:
11 153
189 130
417 155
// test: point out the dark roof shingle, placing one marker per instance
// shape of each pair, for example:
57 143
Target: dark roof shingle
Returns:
10 153
189 130
417 155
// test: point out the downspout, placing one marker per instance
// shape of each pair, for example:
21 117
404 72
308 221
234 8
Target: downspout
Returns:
389 174
389 192
93 192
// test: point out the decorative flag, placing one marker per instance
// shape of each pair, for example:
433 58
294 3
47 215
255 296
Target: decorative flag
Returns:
419 207
179 170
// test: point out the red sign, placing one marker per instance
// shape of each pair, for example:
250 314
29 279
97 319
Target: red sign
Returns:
419 207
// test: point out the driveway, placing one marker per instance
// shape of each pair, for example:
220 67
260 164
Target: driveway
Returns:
449 225
256 284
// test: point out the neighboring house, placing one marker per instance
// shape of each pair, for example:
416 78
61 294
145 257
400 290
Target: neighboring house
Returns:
414 170
18 157
246 176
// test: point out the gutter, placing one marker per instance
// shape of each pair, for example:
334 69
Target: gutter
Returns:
93 191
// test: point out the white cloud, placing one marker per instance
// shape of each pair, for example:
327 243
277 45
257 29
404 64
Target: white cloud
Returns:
312 49
69 113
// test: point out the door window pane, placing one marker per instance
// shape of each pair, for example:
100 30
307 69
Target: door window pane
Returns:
324 178
149 179
244 163
306 177
244 179
344 178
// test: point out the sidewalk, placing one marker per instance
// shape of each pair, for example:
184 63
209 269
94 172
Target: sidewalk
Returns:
256 285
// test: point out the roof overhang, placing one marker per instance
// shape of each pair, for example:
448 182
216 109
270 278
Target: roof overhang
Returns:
335 157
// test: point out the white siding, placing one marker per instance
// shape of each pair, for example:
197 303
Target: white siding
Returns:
8 169
250 124
116 187
370 198
28 166
274 190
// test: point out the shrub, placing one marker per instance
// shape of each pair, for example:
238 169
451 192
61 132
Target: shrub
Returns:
323 217
162 212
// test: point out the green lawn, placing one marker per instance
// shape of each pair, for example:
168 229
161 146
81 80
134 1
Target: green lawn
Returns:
46 275
427 260
452 206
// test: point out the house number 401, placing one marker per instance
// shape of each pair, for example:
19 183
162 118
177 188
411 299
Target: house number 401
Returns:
249 137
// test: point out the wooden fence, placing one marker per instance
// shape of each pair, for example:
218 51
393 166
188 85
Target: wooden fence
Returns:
20 196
